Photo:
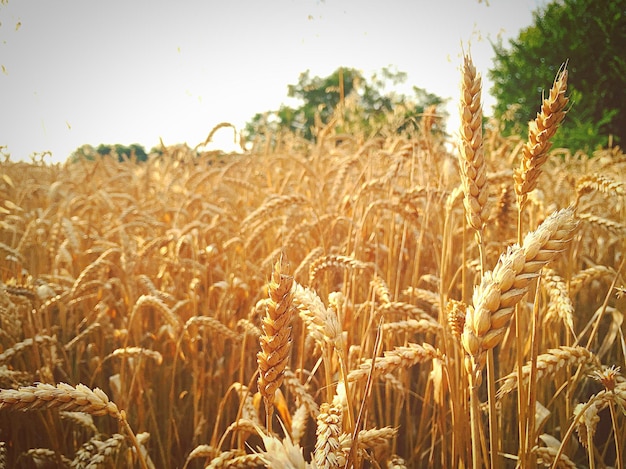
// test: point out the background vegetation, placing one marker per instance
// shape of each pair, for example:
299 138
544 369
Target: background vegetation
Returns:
356 104
591 37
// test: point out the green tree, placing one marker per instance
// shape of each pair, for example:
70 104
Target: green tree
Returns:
591 36
84 152
122 152
365 103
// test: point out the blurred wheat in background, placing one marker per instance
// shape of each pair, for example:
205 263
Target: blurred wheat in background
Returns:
353 302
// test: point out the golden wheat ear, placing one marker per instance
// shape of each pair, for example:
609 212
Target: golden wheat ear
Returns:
500 290
540 131
69 398
276 339
471 156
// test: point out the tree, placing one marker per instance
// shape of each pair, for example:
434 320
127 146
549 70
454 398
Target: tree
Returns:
121 152
365 104
590 36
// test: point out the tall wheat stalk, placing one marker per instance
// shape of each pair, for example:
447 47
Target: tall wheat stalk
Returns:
534 155
475 189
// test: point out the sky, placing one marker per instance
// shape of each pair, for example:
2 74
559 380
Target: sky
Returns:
77 72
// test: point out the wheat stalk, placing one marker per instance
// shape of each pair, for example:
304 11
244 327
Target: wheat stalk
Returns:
273 204
9 377
396 462
223 460
405 309
322 325
282 453
381 289
130 352
425 298
158 305
456 311
200 451
218 327
299 422
303 397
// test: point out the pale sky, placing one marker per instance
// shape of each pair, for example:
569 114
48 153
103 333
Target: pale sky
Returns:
133 71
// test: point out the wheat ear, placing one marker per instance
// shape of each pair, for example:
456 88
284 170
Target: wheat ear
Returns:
599 183
19 347
586 416
471 157
370 439
561 305
501 289
546 456
334 261
96 453
200 451
43 457
549 363
399 357
276 339
329 427
66 397
540 131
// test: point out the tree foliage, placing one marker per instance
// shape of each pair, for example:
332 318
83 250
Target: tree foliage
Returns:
121 152
590 36
365 105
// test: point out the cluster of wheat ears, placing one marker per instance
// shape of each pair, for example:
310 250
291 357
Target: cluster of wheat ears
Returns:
379 302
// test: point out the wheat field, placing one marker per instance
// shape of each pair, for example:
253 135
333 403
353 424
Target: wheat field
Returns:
382 302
